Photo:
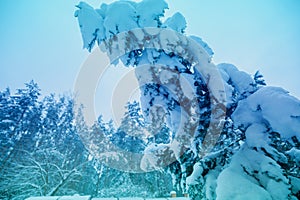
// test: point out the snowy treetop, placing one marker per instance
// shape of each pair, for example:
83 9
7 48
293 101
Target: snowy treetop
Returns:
110 19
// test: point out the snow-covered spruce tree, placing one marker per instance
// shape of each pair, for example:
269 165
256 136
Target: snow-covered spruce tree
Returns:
41 154
19 117
266 164
173 70
257 153
101 138
130 135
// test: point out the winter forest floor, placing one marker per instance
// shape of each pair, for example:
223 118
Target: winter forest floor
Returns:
89 198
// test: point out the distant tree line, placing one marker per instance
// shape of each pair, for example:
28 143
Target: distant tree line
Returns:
42 153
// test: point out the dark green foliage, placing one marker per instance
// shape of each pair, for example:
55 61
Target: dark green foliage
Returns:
259 78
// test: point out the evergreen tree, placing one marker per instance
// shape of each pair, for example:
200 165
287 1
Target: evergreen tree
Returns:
41 152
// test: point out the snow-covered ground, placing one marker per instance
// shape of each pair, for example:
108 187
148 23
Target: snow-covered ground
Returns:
89 198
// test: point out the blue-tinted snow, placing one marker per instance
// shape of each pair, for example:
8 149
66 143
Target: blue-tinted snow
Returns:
271 106
110 19
176 22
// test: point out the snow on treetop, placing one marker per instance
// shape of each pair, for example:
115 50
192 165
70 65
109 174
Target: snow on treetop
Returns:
240 80
119 16
176 22
91 24
150 11
99 24
272 106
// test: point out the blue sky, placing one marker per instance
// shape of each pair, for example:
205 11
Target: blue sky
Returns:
40 39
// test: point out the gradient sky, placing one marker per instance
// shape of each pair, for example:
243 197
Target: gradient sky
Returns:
40 39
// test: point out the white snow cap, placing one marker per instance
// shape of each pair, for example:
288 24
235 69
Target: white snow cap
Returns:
240 80
120 16
208 50
176 22
90 23
252 175
99 24
271 105
150 11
